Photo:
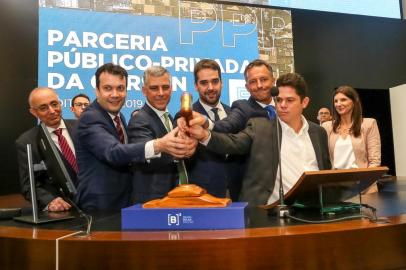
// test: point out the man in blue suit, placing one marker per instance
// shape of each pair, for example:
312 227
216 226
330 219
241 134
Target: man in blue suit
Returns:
154 178
207 169
103 152
258 81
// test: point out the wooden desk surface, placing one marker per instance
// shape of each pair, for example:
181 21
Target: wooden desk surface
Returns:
354 244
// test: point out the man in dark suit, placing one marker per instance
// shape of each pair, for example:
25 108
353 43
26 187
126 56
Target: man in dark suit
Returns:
304 144
44 105
154 178
103 152
258 81
207 169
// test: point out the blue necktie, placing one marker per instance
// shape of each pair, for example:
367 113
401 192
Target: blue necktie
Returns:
271 111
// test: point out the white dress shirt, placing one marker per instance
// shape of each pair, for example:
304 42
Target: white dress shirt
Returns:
297 156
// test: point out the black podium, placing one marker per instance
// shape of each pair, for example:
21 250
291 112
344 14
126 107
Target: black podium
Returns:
328 189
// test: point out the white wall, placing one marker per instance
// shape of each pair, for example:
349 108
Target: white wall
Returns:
398 109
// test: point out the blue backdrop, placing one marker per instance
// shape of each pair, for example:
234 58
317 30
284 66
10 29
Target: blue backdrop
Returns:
74 43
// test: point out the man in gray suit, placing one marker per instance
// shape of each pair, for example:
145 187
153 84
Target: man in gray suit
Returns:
303 144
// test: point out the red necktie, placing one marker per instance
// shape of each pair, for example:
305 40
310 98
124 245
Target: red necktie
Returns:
119 129
66 150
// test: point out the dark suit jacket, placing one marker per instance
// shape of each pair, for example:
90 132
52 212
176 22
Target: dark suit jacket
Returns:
46 190
210 170
236 120
104 179
154 178
241 112
260 141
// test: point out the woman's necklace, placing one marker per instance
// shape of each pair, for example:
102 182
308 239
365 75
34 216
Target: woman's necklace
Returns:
344 130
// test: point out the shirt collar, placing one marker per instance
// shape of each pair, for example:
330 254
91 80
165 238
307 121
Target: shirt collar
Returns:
158 112
61 125
263 105
114 116
286 128
208 107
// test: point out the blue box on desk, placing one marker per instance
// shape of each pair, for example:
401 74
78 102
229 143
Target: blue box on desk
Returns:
137 218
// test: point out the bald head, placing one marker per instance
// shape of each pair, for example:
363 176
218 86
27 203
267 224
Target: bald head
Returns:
36 93
44 104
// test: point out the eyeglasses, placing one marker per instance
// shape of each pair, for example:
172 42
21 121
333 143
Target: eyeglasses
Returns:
45 107
80 104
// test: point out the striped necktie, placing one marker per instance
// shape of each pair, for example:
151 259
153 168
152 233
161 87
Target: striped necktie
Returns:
66 150
119 129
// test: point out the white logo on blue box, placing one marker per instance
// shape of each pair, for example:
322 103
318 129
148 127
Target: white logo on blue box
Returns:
174 219
178 219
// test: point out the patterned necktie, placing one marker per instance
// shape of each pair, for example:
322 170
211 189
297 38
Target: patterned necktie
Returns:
180 166
271 111
216 114
66 150
119 129
167 122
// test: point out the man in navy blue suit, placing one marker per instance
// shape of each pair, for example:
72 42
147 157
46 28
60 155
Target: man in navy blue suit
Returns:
103 152
154 178
207 169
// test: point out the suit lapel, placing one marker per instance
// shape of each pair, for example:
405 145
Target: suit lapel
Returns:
71 128
315 139
275 148
254 104
156 122
106 116
199 108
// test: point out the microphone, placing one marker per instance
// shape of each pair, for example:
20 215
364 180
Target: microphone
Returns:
282 208
274 92
82 214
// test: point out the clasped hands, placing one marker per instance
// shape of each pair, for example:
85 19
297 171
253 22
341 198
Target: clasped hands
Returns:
176 143
182 141
197 128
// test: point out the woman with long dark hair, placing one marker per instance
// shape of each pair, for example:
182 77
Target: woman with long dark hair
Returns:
354 141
